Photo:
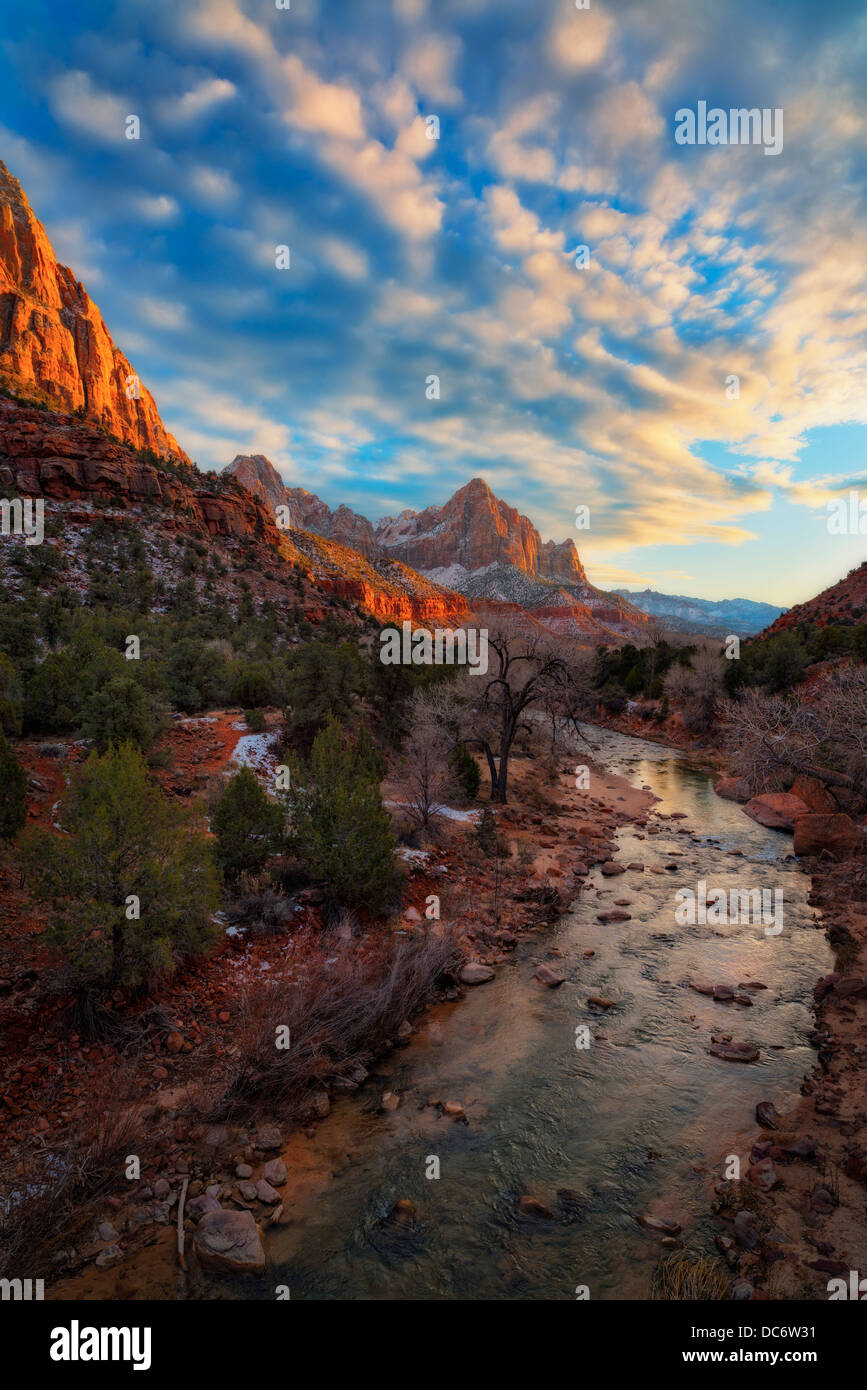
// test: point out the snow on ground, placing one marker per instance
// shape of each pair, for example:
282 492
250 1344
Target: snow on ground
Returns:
448 811
254 751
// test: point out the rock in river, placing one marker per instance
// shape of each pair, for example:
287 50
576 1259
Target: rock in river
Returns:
548 976
766 1114
735 1051
230 1240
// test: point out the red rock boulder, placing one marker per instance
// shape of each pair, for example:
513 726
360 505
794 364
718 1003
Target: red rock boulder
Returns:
832 833
776 810
733 788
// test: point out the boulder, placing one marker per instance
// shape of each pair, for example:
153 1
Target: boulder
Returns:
267 1137
474 973
108 1257
814 792
733 788
610 868
231 1241
827 832
763 1174
766 1114
660 1225
776 810
200 1207
274 1172
735 1051
404 1214
531 1206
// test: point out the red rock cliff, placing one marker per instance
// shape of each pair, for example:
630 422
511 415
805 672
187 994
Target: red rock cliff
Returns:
54 345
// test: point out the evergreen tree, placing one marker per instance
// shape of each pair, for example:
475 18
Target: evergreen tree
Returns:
10 697
13 792
248 825
341 830
121 712
466 770
132 886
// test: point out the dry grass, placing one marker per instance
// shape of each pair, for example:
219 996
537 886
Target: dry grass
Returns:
54 1201
339 1014
689 1278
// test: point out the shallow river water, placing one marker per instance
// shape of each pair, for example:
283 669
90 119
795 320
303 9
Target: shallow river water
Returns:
617 1129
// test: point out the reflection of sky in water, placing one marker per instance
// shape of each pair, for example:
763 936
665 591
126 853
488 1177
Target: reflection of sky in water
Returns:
616 1129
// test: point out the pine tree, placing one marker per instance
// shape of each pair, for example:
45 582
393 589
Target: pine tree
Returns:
248 825
120 712
13 792
10 697
132 886
341 829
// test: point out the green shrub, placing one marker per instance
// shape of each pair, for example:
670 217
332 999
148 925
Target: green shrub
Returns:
13 792
248 825
341 830
121 712
466 770
132 886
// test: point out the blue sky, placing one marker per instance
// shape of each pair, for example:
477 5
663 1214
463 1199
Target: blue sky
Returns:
603 385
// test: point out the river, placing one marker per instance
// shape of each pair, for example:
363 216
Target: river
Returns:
638 1122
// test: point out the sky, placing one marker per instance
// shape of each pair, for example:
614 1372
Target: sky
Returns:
566 379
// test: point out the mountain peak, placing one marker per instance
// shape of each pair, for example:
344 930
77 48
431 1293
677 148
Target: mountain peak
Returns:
54 345
258 475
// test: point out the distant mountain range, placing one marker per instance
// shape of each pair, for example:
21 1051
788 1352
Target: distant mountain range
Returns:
716 618
475 544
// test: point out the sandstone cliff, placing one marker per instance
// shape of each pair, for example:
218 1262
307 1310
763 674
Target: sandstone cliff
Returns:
54 345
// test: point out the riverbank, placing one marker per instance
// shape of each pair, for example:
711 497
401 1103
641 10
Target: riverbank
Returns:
549 837
798 1219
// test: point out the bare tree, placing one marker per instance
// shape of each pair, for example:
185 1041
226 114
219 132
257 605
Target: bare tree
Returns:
822 734
426 752
524 670
696 689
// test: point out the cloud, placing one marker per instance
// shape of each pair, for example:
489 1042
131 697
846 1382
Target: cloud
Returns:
429 64
579 39
76 102
214 186
324 108
155 207
206 95
163 314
